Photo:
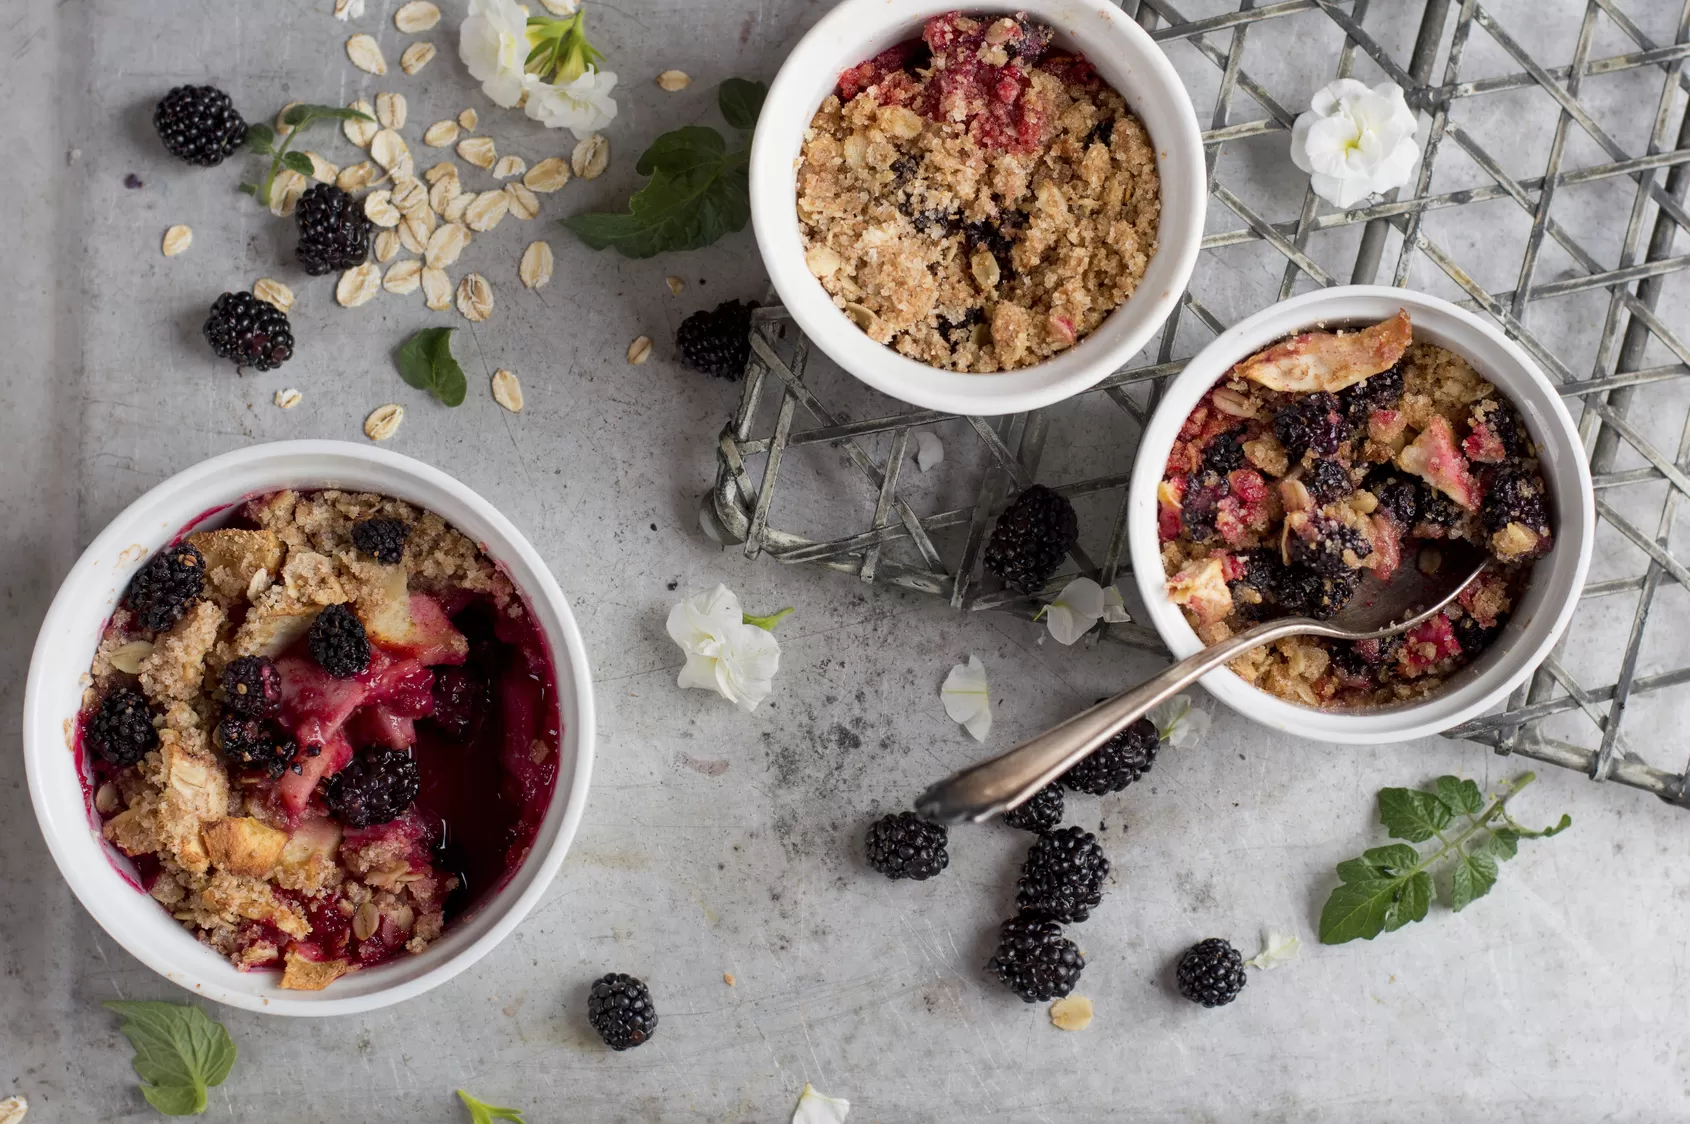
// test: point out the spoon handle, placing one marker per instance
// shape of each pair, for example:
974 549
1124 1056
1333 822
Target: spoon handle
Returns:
1010 779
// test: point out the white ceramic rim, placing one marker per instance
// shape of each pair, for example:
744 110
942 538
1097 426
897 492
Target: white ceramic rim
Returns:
101 573
1549 601
1124 55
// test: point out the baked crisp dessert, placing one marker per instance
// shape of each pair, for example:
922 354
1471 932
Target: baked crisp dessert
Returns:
975 198
1331 456
321 732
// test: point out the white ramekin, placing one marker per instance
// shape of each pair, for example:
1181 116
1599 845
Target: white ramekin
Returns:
1550 598
198 497
1125 57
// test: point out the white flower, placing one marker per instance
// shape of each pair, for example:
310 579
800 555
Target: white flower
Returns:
1114 607
813 1108
1179 723
967 698
725 654
493 42
1355 141
929 453
583 106
1075 610
560 7
1277 948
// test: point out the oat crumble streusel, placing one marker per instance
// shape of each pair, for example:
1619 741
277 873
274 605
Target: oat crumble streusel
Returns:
977 199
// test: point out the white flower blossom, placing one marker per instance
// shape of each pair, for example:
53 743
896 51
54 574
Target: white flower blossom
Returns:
1179 723
1075 610
1277 948
1355 141
967 699
725 654
583 106
929 452
493 42
813 1108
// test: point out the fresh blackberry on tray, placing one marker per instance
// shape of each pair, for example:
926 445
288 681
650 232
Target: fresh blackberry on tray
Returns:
619 1007
1328 481
1211 973
1034 960
334 232
1031 539
1041 813
904 845
199 124
382 538
1062 878
251 743
338 642
252 687
1313 421
1515 495
376 787
1225 452
165 586
717 342
251 332
122 730
1119 762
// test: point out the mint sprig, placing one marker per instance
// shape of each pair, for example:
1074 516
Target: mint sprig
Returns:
261 139
699 190
425 361
1390 886
179 1052
480 1113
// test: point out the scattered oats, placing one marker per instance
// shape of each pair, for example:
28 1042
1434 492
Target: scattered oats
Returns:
640 350
357 130
445 244
728 978
673 80
590 157
357 285
1071 1013
389 150
128 658
469 119
509 166
366 921
177 239
357 177
507 392
561 7
524 204
478 151
536 267
419 223
379 208
321 170
441 134
822 260
459 204
403 276
443 170
106 801
548 175
437 289
285 191
486 210
418 15
348 9
365 54
475 297
288 399
387 245
675 284
282 128
383 421
271 291
391 110
409 195
416 56
410 238
442 193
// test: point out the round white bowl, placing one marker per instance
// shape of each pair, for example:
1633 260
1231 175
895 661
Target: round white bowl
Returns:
1125 57
1550 597
198 498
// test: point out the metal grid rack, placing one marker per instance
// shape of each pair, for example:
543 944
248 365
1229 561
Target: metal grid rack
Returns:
1619 396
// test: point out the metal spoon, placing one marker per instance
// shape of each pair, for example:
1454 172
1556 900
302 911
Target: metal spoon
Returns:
1378 609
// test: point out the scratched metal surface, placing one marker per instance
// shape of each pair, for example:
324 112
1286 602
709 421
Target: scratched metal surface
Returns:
717 842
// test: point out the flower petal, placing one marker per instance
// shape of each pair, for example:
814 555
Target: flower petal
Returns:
1355 141
1115 607
967 699
813 1108
929 452
1277 949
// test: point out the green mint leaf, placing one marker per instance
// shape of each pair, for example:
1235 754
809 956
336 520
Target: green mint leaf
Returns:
740 101
249 189
1393 859
300 114
1461 796
260 138
298 162
480 1113
179 1052
698 192
1412 815
1473 877
425 361
1504 843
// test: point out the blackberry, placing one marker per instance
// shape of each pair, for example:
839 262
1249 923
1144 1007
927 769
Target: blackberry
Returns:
1119 762
1303 593
1324 554
1101 133
994 237
1366 658
1031 41
904 845
338 642
1376 392
1039 814
251 743
1501 419
460 699
1313 421
1034 960
162 591
1200 505
1515 495
1438 514
960 331
252 687
122 729
1062 878
1473 637
619 1007
1211 973
199 124
1397 496
1031 538
717 342
1225 452
382 538
376 787
334 232
1328 481
251 332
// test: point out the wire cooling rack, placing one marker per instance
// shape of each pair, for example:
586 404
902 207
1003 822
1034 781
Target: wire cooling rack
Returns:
1576 263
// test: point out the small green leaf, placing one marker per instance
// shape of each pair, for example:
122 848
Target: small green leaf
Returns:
1473 877
741 101
1504 843
176 1100
1358 909
425 361
1412 903
767 624
300 114
698 192
299 162
260 138
480 1113
1412 815
249 189
1461 796
179 1051
1392 859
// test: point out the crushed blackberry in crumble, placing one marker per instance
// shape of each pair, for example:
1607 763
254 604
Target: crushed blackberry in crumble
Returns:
170 581
338 642
122 729
381 537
